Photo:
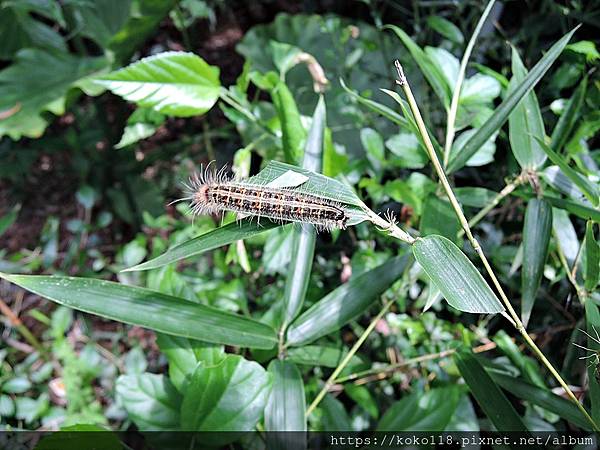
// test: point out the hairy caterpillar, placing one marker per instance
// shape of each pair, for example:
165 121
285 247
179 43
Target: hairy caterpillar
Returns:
212 192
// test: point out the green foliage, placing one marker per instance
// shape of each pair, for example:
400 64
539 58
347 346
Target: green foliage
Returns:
262 325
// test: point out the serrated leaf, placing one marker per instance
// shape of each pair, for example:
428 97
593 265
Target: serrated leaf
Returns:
150 309
345 302
536 238
173 83
455 276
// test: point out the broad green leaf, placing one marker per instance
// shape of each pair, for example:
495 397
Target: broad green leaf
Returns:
501 113
184 355
100 20
446 29
16 385
372 142
525 121
589 189
422 411
491 399
361 395
305 235
149 309
150 400
145 17
287 405
483 156
476 197
407 151
565 235
455 276
383 110
140 125
541 397
568 118
208 241
293 134
173 83
38 81
430 70
345 302
592 258
230 396
536 238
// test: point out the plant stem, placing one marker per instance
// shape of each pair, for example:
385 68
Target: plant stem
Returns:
331 380
410 362
22 329
465 225
507 190
459 81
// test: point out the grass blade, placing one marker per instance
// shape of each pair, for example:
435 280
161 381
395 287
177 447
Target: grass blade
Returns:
455 276
149 309
536 238
506 107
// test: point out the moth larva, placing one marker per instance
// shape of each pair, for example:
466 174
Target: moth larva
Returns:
212 192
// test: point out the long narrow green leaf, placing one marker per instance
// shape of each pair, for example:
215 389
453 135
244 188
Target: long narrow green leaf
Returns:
585 212
287 404
568 118
536 238
589 189
345 303
503 111
592 258
305 235
208 241
541 397
491 399
455 276
592 319
383 110
525 121
149 309
430 70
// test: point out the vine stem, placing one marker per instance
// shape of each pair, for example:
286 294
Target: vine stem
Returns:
465 225
450 132
331 380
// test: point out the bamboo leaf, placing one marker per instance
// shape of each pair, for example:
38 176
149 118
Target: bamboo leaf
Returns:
568 118
293 134
287 405
455 276
305 235
536 238
345 303
592 319
149 309
592 258
583 211
430 70
491 399
501 113
174 83
589 189
525 121
208 241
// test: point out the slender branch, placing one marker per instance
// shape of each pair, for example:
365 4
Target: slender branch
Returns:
465 225
331 380
450 132
22 329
